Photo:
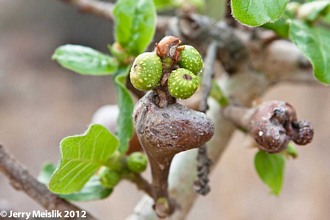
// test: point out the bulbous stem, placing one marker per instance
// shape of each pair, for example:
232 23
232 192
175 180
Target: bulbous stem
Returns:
164 132
160 171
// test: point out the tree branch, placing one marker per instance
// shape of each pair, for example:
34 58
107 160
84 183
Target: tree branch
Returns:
243 86
181 181
203 168
104 10
21 179
281 61
140 182
98 8
208 75
239 116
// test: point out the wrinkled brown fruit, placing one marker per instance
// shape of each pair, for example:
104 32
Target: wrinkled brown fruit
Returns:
164 132
275 123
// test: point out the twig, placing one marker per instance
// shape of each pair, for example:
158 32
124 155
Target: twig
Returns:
140 182
281 61
204 162
104 9
21 179
208 74
239 116
98 8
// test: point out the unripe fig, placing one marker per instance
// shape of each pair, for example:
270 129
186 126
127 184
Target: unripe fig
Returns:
146 71
137 162
115 162
108 177
182 83
190 59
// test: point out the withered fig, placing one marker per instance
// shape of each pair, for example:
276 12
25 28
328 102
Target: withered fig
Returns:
275 123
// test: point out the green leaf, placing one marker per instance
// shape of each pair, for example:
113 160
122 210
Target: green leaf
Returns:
135 23
280 27
291 151
126 105
84 60
256 12
218 95
326 18
311 11
46 172
81 156
314 42
93 190
270 168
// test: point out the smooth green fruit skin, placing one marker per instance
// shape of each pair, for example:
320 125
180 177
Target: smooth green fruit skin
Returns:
146 71
190 59
137 162
182 83
109 178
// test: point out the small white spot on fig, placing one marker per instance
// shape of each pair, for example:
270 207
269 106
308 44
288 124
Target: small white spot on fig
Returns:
260 133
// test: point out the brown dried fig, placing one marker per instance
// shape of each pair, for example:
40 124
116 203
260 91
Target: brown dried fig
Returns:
275 123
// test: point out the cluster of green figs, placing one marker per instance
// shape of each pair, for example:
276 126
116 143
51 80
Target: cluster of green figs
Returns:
147 72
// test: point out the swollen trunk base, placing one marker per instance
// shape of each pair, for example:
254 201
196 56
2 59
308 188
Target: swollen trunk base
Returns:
164 132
